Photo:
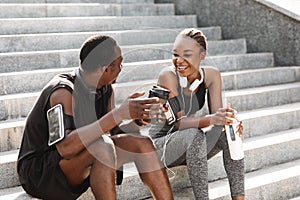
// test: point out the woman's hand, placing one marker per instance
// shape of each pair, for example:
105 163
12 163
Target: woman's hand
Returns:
240 128
223 116
227 116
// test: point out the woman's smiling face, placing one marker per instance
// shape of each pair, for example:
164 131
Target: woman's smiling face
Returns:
186 55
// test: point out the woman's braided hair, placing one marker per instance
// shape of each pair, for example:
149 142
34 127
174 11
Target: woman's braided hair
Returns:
197 35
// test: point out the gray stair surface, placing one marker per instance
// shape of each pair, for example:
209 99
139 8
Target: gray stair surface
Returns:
76 1
18 105
83 9
148 71
261 184
105 23
73 40
26 61
41 38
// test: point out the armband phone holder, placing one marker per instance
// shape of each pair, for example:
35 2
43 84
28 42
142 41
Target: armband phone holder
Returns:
56 127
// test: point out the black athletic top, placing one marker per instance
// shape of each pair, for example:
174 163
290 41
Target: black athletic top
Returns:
198 100
37 162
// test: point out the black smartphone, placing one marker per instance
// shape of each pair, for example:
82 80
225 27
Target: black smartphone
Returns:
163 95
55 124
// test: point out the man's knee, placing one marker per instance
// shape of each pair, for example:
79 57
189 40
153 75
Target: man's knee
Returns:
103 150
144 144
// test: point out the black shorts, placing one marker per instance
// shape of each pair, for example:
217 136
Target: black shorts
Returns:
42 178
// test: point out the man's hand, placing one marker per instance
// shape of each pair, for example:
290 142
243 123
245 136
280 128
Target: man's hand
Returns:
139 108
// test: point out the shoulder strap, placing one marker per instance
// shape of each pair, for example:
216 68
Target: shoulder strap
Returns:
59 81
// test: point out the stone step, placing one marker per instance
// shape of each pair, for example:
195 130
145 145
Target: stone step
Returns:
17 82
9 177
144 52
240 62
77 1
232 79
270 120
26 61
260 77
242 99
276 182
11 133
261 97
260 152
102 23
257 122
59 41
164 50
18 105
262 184
83 9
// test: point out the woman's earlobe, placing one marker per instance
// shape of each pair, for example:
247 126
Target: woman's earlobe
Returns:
202 55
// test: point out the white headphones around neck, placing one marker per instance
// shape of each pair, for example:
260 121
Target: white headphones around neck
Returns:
184 83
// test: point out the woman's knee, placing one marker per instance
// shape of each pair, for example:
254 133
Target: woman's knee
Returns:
190 135
190 132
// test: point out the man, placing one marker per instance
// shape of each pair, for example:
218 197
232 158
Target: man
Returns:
86 156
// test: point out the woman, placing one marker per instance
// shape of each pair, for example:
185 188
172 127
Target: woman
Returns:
185 142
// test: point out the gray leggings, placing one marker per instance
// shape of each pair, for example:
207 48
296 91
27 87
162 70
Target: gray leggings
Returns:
189 147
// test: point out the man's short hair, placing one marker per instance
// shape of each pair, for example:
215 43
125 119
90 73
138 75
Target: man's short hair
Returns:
97 51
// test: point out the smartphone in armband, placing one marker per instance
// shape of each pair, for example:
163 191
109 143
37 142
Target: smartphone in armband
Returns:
170 116
56 127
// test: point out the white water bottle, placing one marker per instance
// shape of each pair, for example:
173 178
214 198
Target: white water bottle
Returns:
235 143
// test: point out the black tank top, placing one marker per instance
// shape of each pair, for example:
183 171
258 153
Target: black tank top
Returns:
197 101
88 108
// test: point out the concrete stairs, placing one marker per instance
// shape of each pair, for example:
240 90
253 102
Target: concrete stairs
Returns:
40 38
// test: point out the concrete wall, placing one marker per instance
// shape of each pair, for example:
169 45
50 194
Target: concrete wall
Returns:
265 29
